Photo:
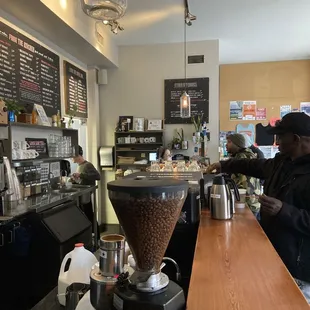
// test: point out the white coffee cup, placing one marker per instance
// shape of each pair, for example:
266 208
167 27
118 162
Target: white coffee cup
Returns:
24 145
152 139
17 154
146 140
20 145
33 153
242 193
127 140
133 140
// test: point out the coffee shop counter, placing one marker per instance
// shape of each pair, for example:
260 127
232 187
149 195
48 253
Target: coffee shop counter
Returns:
43 202
236 267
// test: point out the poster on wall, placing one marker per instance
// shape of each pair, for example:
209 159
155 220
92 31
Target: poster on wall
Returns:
261 114
305 107
285 109
235 110
249 110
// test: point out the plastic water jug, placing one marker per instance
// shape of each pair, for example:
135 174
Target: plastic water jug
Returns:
85 303
78 271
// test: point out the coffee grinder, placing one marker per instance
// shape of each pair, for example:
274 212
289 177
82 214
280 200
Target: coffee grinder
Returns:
148 210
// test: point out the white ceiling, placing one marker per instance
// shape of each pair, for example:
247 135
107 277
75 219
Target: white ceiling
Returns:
248 30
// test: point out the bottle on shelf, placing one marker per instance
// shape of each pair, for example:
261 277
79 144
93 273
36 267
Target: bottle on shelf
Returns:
54 121
34 117
58 119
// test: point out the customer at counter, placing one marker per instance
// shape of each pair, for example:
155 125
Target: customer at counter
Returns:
236 147
164 154
285 207
248 144
86 174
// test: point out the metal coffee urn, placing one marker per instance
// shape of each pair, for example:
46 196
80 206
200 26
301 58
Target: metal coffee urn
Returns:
104 277
221 197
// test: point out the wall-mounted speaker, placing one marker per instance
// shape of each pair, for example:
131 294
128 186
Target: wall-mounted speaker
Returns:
102 75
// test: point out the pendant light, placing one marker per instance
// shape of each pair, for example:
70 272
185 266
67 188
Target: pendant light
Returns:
185 100
105 10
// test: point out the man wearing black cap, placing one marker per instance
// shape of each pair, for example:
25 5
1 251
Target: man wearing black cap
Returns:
285 207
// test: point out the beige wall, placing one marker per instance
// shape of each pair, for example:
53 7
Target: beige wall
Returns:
271 84
137 88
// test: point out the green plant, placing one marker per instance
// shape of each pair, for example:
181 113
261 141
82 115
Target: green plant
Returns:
72 114
12 106
178 137
197 121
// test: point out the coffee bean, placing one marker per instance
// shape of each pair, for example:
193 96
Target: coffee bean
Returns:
148 225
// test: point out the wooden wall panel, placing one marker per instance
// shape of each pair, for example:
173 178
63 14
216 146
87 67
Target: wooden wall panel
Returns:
271 84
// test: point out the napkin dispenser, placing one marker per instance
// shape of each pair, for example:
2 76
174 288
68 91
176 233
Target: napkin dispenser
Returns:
106 156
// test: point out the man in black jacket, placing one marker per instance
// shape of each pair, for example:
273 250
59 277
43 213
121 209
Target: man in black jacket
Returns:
285 207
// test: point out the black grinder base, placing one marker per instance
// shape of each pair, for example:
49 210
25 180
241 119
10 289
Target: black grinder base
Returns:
169 298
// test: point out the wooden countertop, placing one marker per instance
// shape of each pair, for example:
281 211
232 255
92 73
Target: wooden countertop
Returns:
236 267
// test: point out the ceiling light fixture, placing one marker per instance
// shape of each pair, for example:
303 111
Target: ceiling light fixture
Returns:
189 17
114 25
185 100
104 10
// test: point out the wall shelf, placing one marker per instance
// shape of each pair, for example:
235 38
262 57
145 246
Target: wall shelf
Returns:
31 130
35 161
136 149
139 132
144 144
133 165
31 126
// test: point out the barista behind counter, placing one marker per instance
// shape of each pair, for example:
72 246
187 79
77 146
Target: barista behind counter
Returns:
86 174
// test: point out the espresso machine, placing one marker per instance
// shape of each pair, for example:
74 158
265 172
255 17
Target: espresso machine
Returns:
148 210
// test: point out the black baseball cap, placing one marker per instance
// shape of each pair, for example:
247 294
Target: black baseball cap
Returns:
297 123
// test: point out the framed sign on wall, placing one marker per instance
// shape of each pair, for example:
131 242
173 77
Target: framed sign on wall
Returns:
75 90
198 90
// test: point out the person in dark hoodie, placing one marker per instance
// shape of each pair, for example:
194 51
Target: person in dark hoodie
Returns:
285 205
86 174
236 147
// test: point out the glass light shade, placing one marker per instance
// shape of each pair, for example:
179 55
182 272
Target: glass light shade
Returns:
108 10
185 106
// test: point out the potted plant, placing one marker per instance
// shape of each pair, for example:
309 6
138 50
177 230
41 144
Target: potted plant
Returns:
72 114
197 121
12 107
178 139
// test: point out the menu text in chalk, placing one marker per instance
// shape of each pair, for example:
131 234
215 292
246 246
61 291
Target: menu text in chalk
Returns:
75 90
197 89
29 73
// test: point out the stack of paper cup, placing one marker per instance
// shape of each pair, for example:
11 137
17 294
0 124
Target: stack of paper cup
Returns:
241 203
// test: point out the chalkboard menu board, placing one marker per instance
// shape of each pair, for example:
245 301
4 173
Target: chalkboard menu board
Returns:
198 90
75 90
29 73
